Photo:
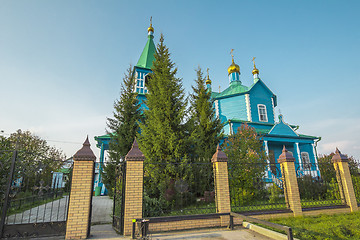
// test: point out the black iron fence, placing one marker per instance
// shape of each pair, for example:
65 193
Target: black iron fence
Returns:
35 194
119 197
178 188
318 185
256 187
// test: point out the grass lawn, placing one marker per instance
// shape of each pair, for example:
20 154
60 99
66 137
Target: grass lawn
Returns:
339 226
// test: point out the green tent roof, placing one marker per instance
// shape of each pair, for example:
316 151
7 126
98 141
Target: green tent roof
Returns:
234 88
147 56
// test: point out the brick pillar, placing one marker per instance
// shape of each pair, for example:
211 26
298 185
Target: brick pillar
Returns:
134 186
291 188
221 177
341 165
79 213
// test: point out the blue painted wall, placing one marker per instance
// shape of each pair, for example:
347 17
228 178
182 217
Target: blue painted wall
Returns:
232 108
260 95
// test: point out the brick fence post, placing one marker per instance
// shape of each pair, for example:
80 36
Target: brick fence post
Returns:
291 188
133 186
221 178
79 213
341 165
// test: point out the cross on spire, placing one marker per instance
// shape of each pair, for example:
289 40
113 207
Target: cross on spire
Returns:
231 53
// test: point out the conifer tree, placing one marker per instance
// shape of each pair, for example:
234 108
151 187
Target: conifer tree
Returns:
162 133
123 126
206 128
162 138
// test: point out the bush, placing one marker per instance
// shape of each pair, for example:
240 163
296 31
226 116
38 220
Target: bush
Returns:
276 193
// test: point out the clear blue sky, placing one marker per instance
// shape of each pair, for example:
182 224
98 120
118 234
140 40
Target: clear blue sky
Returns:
62 62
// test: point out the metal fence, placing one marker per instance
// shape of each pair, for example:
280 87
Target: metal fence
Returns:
256 187
356 183
318 185
178 188
34 198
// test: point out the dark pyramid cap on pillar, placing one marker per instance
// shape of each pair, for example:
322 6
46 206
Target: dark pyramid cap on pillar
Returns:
286 156
339 157
135 154
219 156
85 153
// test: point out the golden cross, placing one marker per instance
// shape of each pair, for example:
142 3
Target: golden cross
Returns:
231 53
219 88
207 70
253 61
151 21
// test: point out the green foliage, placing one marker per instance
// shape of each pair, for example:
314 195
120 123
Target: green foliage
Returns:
339 226
163 135
333 190
123 127
327 169
246 165
35 161
356 184
312 189
205 127
275 193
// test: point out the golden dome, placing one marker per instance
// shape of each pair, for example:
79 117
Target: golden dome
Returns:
208 81
255 70
233 68
150 28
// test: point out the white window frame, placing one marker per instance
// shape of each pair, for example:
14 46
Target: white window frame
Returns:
264 107
305 160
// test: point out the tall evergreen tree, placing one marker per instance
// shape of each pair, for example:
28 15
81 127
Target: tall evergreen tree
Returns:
162 133
206 128
123 126
162 138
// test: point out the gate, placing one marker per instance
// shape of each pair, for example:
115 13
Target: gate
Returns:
34 195
119 198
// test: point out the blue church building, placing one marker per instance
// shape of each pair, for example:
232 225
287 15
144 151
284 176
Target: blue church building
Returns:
255 105
239 104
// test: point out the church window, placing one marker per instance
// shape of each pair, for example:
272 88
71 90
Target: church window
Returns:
141 90
147 78
262 113
305 160
138 83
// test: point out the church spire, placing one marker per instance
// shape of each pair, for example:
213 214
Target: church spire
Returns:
147 56
208 81
233 70
255 71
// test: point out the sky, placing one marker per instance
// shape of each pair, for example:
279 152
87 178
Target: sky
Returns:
62 62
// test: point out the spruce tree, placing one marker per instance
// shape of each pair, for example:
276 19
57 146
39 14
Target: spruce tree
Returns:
162 133
206 131
162 138
123 126
206 128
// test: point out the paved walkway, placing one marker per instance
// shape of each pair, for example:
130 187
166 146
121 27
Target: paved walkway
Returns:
49 212
101 210
240 233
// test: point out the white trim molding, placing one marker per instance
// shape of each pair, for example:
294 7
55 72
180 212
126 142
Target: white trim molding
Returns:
299 155
248 107
217 108
273 107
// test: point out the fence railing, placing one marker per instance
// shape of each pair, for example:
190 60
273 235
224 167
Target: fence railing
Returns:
178 188
256 187
318 185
